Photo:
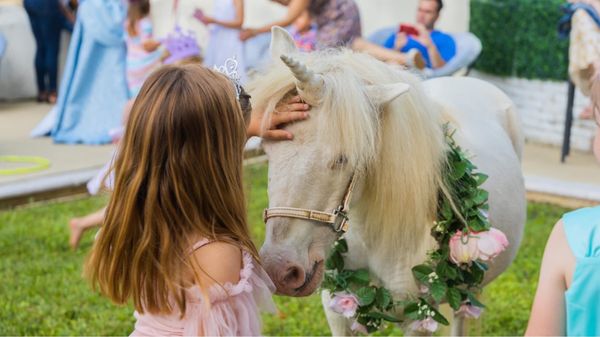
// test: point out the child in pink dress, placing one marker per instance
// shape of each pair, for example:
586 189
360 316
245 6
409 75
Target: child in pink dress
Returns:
175 239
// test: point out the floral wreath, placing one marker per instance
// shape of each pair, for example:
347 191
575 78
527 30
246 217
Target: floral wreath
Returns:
452 273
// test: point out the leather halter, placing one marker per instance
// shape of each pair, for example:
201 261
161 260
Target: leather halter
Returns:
338 219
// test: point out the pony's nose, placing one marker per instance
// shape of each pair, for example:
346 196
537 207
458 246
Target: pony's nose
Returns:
290 278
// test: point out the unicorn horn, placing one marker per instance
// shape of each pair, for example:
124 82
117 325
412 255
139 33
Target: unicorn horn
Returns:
308 79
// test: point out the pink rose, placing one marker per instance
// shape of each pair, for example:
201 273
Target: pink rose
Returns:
359 328
469 311
344 303
463 248
491 244
425 325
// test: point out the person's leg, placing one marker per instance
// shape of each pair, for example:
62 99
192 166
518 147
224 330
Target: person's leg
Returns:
388 55
78 226
37 27
52 37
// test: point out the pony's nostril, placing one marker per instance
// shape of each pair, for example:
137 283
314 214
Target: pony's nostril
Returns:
294 277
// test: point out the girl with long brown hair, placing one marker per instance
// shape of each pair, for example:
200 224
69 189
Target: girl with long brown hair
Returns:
176 239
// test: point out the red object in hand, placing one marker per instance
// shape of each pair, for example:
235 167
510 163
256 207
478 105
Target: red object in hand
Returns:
408 30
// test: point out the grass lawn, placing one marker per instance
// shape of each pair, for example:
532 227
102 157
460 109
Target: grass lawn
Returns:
42 291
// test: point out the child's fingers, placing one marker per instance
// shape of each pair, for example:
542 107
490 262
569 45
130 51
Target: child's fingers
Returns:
288 117
295 99
277 135
298 107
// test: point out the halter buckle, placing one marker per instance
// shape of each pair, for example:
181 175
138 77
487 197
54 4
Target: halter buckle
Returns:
341 220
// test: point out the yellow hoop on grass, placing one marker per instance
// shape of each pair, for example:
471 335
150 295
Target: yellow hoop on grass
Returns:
39 163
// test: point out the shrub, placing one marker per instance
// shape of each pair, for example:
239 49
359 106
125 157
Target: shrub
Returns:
520 38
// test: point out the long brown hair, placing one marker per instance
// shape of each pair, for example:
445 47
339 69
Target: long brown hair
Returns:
178 178
137 10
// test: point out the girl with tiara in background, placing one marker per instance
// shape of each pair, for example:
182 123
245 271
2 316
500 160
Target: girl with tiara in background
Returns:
176 239
224 27
143 52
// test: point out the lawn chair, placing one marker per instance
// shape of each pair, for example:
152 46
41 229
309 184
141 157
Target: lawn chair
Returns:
468 48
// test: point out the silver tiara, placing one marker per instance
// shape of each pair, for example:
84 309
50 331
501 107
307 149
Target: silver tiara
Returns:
229 69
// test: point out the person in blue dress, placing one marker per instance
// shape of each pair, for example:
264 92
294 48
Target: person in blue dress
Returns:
93 89
435 46
567 301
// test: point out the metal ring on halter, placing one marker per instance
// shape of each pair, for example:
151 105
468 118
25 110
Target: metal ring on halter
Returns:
338 219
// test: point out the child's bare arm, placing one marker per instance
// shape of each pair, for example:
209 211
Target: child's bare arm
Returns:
548 311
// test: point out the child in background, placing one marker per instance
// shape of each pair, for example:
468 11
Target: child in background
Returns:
180 251
304 32
143 52
224 26
568 294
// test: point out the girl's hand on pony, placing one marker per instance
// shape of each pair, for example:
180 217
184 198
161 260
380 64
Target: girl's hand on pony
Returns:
292 110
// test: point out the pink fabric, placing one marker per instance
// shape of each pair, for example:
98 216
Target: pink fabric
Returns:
234 309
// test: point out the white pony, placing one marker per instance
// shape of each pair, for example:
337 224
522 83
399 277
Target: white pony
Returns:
381 125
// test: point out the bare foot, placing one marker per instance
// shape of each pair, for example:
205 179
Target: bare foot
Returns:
75 225
587 113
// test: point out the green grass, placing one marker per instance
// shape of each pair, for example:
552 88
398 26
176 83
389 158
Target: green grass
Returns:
42 291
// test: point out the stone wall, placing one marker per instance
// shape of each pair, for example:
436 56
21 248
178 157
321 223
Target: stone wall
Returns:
542 106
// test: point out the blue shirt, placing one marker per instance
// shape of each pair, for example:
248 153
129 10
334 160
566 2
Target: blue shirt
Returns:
444 43
582 229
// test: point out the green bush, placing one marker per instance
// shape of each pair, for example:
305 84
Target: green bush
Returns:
520 38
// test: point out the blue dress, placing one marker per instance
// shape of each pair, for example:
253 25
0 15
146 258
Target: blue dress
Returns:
93 89
582 229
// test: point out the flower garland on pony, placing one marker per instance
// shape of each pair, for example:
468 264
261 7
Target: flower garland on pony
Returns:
453 272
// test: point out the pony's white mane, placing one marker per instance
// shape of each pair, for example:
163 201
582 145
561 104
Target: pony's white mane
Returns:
398 147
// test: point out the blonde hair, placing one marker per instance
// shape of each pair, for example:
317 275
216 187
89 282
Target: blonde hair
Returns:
401 139
178 177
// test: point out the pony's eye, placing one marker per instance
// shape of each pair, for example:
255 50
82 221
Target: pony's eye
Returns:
339 162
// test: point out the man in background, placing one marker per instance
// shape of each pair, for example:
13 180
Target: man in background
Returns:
436 47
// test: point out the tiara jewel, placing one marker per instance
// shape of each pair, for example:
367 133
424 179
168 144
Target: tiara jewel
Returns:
229 69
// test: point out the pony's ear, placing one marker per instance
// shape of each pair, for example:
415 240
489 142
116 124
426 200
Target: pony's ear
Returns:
282 43
383 94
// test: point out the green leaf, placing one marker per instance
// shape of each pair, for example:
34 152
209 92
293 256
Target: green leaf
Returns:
421 272
379 315
360 277
366 295
459 170
439 317
454 298
437 290
342 246
411 310
473 300
383 298
481 178
335 261
481 197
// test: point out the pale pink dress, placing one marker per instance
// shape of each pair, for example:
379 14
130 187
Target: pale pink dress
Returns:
234 308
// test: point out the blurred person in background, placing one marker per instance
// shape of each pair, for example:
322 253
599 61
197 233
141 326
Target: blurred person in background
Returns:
46 19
